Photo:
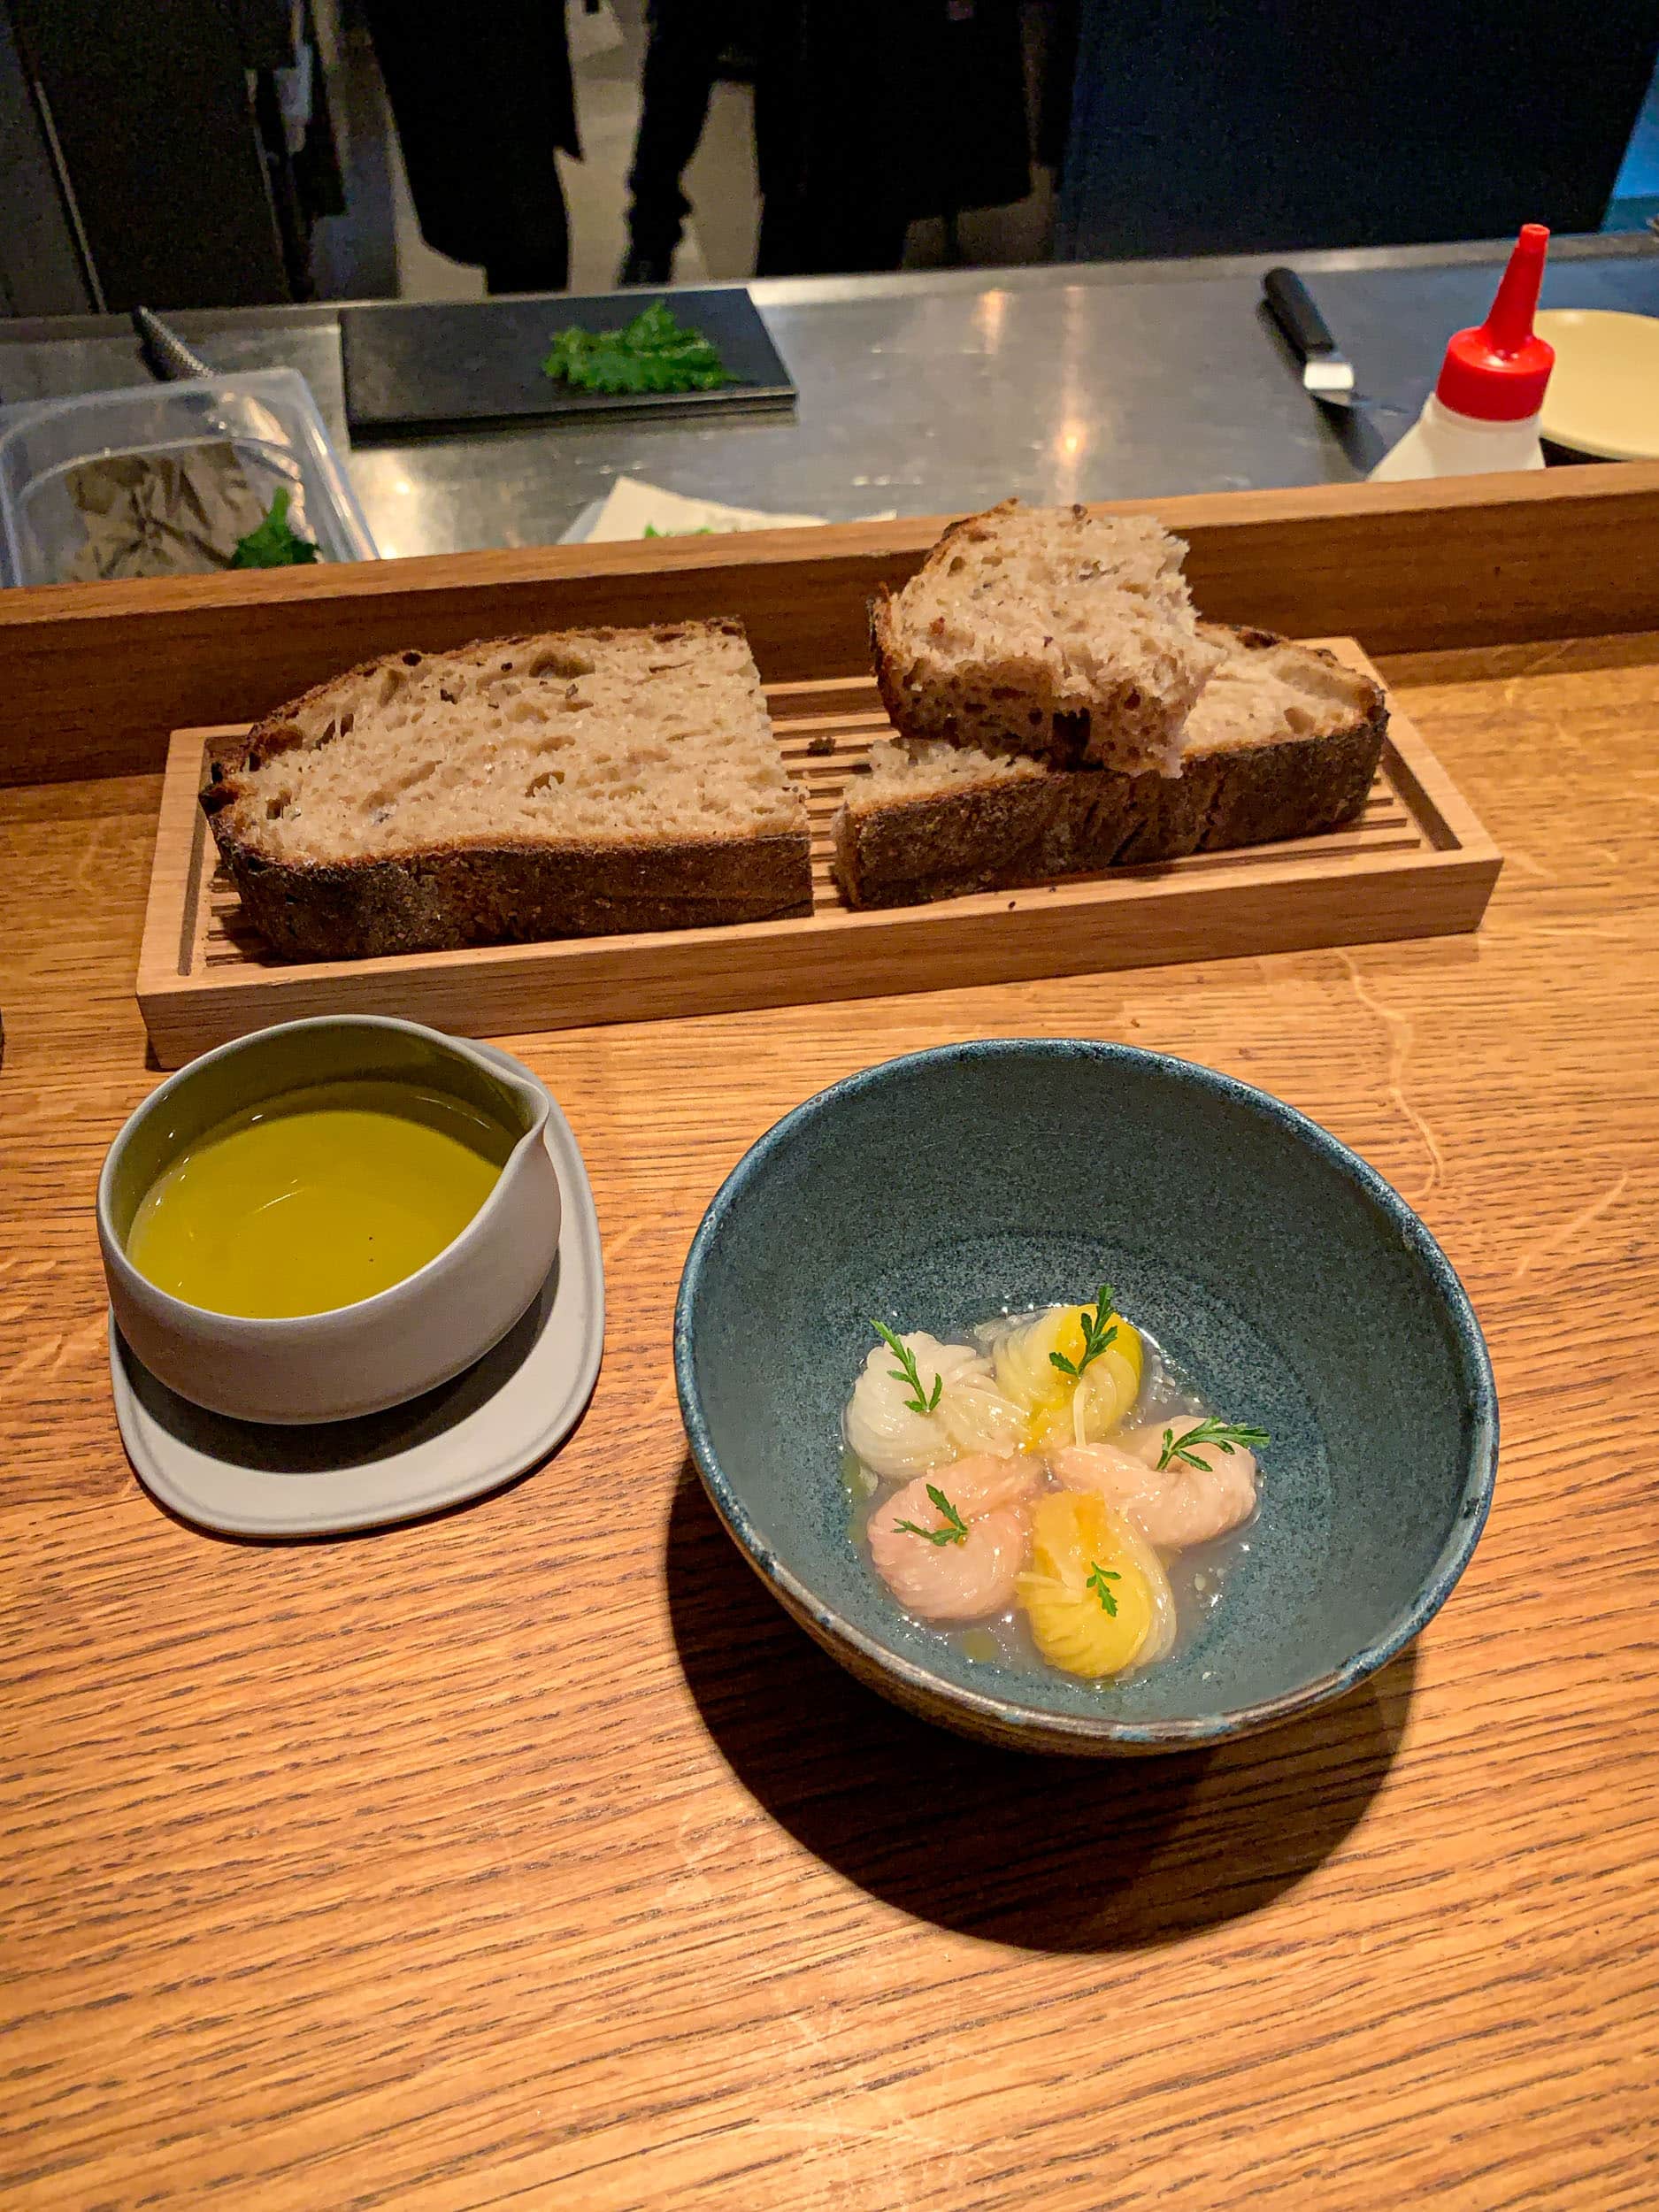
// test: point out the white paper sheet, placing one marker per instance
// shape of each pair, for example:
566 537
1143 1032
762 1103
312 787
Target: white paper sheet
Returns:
637 509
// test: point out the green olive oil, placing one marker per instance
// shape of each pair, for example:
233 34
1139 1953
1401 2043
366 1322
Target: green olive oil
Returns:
317 1199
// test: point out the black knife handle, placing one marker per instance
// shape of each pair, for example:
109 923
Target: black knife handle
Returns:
1294 312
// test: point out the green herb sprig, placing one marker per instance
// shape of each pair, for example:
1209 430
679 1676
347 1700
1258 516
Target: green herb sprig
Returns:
954 1531
1099 1576
1097 1335
1223 1434
654 353
906 1370
273 544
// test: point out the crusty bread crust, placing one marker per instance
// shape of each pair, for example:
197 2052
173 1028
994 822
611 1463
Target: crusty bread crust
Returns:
484 895
904 851
884 656
1003 836
478 890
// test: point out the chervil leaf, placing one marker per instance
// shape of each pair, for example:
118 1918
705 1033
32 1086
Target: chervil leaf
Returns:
272 545
906 1370
953 1532
1223 1434
1098 1332
1098 1577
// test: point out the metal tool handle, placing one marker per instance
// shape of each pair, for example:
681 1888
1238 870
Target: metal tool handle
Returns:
1294 312
166 356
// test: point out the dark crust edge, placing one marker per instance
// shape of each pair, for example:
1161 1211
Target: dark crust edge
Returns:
454 898
882 655
985 839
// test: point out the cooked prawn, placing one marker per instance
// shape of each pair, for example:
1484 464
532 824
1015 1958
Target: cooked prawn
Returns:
970 1575
1174 1506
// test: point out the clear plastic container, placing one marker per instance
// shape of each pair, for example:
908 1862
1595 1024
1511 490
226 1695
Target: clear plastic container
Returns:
267 415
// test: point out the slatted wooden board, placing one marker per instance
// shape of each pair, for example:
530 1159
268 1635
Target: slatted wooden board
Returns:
1416 863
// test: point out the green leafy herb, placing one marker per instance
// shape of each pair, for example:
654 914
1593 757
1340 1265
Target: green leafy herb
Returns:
655 353
906 1370
954 1531
1223 1434
273 545
704 530
1097 1335
1099 1576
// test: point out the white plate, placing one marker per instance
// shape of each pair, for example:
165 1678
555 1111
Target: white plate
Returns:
502 1417
1603 395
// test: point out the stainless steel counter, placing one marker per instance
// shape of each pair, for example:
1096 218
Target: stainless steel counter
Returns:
926 393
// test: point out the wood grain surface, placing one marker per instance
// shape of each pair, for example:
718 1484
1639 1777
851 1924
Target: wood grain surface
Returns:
530 1855
93 676
1416 863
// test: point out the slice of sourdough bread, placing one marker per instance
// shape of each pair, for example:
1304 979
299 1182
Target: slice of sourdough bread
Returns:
1284 742
1050 631
570 785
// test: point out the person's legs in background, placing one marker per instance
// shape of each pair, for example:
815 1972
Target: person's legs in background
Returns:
778 60
538 260
684 39
481 91
826 83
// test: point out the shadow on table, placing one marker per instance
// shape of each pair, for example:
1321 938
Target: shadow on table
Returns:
1055 1854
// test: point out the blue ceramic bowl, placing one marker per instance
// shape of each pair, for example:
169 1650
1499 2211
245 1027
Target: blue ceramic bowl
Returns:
1298 1290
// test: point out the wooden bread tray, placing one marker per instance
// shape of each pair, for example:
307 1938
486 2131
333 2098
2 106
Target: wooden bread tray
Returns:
1416 863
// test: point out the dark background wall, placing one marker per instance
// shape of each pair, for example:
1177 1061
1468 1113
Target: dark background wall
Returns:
40 267
1199 127
150 105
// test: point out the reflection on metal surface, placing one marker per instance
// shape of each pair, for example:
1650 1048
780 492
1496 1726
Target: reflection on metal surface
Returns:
990 312
1070 437
1071 445
929 393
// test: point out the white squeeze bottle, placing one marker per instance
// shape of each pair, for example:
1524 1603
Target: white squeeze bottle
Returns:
1483 413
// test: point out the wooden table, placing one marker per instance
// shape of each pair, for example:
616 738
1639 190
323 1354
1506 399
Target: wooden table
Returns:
531 1855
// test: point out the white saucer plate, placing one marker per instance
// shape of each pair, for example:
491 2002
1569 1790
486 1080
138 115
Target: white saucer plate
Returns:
1603 395
499 1418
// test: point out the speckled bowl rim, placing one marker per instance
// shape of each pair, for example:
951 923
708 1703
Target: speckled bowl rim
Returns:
981 1711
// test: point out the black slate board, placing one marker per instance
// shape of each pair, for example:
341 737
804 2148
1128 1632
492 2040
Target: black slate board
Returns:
429 364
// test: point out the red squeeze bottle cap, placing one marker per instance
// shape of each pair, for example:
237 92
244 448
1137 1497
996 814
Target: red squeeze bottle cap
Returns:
1497 373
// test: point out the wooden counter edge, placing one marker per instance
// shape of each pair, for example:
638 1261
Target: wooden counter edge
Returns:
94 676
